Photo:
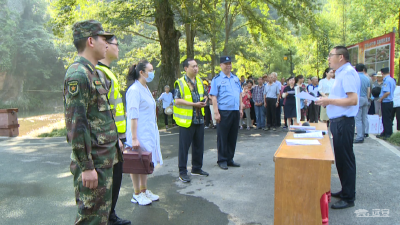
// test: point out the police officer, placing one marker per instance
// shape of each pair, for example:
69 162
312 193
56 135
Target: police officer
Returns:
189 115
90 125
111 84
342 107
228 109
386 100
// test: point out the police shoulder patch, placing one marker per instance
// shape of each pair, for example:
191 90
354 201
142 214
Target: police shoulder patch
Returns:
73 87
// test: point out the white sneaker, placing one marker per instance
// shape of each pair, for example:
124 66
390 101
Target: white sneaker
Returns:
141 199
152 196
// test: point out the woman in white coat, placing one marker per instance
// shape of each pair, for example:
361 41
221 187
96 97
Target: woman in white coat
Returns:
142 130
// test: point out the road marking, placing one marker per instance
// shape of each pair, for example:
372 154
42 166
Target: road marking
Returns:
387 145
168 134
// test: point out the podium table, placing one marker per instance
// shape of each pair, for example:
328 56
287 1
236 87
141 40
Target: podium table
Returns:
302 181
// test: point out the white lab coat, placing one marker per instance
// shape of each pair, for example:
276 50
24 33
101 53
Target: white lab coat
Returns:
140 105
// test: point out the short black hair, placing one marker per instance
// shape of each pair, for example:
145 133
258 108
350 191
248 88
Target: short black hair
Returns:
185 62
342 50
361 67
250 81
111 39
80 44
297 78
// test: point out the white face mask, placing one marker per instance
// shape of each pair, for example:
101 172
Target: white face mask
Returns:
150 77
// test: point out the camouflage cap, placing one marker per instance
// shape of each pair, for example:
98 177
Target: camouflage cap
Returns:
89 28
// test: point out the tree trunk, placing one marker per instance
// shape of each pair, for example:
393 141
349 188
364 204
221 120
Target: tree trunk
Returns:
190 34
169 41
213 56
226 29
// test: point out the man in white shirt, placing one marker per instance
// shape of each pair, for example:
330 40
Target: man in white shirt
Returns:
342 107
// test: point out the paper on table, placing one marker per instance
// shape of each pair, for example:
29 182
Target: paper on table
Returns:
317 134
302 142
310 131
305 95
302 127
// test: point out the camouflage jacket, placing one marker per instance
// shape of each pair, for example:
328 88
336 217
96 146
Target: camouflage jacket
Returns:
88 118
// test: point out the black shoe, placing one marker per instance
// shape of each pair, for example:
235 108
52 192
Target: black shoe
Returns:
358 141
342 204
184 178
233 164
200 173
366 135
223 166
337 194
115 220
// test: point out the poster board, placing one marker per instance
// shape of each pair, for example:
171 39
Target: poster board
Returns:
375 124
375 53
298 106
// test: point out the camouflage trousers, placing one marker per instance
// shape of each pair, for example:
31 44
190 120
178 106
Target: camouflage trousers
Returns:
93 205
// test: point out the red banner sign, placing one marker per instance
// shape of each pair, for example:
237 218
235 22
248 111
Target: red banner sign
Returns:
376 53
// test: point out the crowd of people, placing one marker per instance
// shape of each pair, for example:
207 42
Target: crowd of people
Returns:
99 130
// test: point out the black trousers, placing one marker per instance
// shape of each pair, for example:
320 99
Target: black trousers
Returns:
166 118
387 118
227 132
117 179
207 116
193 135
271 112
313 113
396 111
116 185
343 134
371 110
278 111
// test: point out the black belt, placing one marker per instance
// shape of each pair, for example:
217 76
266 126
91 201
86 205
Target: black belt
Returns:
341 118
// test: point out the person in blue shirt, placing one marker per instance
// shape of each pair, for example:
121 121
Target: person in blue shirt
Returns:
361 117
342 107
167 99
386 100
228 109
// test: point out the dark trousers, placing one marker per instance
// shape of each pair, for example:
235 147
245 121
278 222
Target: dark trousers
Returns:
313 113
227 132
278 111
166 118
117 179
396 111
387 108
271 112
371 110
343 134
207 116
193 135
116 185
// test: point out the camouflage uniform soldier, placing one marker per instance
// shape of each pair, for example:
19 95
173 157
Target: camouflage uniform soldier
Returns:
91 128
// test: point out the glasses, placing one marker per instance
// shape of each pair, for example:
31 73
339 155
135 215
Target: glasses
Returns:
330 55
116 44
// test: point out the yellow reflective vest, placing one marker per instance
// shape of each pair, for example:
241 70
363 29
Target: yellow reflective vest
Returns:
115 99
183 114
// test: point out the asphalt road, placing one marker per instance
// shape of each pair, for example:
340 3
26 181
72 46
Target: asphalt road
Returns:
36 185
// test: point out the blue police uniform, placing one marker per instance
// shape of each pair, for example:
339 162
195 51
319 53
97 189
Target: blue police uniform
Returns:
389 84
227 91
342 128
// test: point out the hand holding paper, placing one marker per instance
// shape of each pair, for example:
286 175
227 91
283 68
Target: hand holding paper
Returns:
307 96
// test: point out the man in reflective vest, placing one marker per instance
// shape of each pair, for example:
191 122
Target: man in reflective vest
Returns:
111 84
189 116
